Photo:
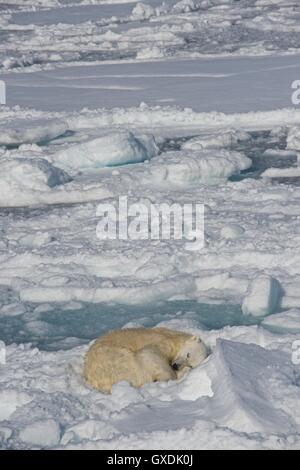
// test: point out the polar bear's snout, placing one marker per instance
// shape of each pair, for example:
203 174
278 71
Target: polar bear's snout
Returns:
191 354
180 365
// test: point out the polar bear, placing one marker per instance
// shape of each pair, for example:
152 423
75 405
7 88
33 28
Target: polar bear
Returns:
141 355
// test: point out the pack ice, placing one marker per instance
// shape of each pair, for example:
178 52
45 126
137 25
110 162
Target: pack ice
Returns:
168 103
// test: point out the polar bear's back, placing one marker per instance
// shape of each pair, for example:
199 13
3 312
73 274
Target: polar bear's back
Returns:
135 355
106 365
134 339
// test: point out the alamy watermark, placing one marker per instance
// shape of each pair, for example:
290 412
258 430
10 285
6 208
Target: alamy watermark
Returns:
2 92
296 93
2 353
144 220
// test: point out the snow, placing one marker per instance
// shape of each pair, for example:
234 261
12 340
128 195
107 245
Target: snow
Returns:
44 433
33 181
20 131
10 401
232 231
186 168
137 295
32 174
220 140
142 11
291 172
150 53
262 297
110 149
236 392
247 371
293 139
288 321
204 84
175 102
23 178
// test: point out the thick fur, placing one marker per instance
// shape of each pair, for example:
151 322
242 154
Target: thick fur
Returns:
141 355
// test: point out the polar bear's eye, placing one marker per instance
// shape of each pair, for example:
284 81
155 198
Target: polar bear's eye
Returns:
188 355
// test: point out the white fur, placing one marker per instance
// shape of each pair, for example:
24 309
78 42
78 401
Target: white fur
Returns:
140 356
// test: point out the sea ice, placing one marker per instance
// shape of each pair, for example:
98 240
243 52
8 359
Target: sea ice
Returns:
10 400
23 131
109 149
246 394
262 297
232 231
222 139
194 166
287 321
23 178
293 138
250 382
142 11
41 433
291 172
236 394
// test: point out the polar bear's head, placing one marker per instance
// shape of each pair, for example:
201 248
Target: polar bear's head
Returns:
191 354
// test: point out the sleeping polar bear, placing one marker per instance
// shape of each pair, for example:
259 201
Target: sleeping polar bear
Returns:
141 355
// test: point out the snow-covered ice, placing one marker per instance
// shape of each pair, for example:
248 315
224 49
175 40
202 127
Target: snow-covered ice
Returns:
223 139
109 149
234 397
20 131
191 167
169 102
232 231
23 178
263 296
285 321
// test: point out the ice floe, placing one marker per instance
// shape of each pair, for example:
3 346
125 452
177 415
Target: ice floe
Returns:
287 321
22 131
219 140
22 178
263 296
109 149
191 166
